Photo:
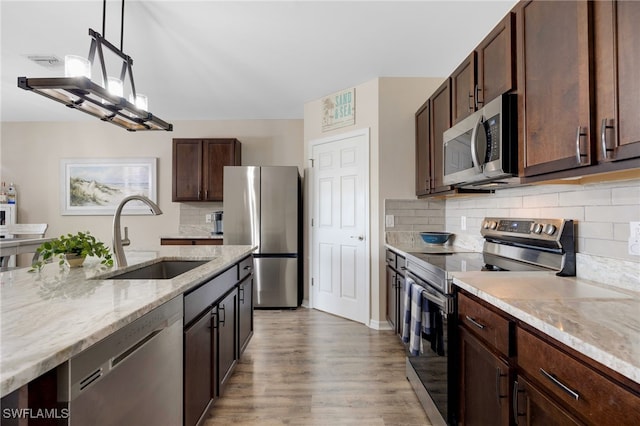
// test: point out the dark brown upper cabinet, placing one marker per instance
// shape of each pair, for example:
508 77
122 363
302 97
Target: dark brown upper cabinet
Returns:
617 79
463 89
489 71
440 120
554 86
198 167
423 151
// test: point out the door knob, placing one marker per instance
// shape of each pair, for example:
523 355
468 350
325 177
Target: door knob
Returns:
359 237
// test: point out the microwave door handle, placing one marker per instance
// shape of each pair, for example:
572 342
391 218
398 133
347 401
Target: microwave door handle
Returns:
474 144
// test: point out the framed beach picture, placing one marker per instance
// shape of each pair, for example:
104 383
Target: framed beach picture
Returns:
95 186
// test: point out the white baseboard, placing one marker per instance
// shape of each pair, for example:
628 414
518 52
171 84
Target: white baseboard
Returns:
379 325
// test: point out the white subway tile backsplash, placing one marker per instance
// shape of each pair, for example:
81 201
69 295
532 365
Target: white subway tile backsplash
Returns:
588 197
546 200
618 213
597 230
626 195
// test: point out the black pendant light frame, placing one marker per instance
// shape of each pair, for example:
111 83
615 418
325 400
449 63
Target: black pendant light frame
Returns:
83 94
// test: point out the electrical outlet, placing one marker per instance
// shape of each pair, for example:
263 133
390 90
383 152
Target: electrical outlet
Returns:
463 223
634 238
207 217
389 221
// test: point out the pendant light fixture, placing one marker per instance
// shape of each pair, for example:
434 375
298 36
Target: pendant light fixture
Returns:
106 100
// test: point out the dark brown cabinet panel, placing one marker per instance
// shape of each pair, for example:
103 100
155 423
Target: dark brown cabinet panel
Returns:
440 120
536 409
485 396
198 371
463 86
617 79
554 85
198 167
583 391
245 312
496 58
423 151
227 338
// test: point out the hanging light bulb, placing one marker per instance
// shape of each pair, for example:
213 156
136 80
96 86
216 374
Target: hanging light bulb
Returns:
76 66
141 101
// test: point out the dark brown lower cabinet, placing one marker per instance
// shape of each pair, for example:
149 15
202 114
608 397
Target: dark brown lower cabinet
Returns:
219 325
485 397
198 371
535 408
245 312
226 330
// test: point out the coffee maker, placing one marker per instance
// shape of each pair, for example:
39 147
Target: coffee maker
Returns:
217 223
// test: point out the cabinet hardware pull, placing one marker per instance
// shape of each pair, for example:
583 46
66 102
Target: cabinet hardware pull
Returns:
403 268
247 268
561 385
214 320
206 194
241 294
514 401
603 138
478 101
470 102
474 322
221 308
579 155
498 376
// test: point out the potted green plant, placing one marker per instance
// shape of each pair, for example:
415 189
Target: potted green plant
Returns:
72 249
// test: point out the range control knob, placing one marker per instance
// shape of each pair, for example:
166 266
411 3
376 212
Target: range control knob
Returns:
549 229
537 228
485 224
493 224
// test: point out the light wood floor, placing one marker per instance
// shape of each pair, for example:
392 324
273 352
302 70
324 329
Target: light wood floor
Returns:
306 367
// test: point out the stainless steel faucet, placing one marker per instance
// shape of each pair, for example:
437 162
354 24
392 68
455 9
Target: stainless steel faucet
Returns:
118 249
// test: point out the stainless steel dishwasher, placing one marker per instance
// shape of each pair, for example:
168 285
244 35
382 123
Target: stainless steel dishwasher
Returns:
132 377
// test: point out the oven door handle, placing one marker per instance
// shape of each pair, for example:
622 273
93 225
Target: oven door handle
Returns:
431 295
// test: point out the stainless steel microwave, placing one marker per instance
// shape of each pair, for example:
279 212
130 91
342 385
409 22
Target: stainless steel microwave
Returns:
484 146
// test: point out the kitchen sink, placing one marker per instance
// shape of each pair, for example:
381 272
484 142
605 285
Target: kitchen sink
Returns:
163 270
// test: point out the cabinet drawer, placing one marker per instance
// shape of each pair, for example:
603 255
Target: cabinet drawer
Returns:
391 258
483 322
585 391
245 268
204 296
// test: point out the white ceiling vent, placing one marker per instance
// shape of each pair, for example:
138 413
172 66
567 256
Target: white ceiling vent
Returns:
48 61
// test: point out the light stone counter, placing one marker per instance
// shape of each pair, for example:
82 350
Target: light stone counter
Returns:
600 321
49 316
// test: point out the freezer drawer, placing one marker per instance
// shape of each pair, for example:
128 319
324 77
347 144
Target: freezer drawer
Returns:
276 282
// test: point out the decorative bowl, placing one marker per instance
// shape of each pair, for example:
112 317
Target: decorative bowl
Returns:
435 237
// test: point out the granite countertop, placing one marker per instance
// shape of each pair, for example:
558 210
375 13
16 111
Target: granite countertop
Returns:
49 316
600 321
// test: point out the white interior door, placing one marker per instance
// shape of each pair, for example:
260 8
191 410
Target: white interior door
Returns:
340 226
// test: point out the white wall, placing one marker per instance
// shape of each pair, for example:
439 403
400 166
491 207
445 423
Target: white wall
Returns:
386 106
30 154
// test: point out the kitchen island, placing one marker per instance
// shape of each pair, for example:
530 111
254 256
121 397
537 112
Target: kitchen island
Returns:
47 317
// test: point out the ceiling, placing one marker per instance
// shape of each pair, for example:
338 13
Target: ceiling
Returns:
213 60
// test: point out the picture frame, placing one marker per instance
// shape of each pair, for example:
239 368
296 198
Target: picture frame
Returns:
95 186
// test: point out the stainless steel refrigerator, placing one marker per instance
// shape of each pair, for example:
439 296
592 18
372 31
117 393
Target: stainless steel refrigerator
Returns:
262 207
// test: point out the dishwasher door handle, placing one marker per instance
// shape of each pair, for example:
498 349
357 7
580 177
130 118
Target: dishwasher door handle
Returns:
124 355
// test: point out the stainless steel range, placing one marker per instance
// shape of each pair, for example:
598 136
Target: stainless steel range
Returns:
429 303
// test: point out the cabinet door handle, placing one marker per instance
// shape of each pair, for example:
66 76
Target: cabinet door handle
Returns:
470 102
477 94
579 154
241 294
474 322
403 268
514 401
214 320
603 138
247 268
575 395
499 375
221 308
